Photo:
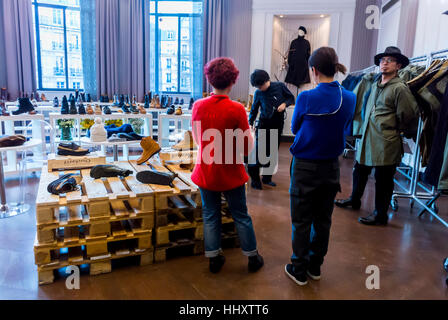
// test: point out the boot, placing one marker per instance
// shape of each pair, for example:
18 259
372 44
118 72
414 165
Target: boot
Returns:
116 103
216 263
83 96
55 102
81 108
133 107
89 98
89 109
107 171
191 104
150 148
187 143
176 102
169 102
141 109
43 97
147 102
24 106
98 109
73 109
3 110
178 111
70 97
64 108
76 95
182 102
124 108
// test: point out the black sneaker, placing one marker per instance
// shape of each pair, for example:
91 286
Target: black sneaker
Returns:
256 185
300 279
107 110
64 184
313 272
216 263
255 263
71 149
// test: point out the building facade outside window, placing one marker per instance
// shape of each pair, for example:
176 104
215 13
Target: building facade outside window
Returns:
57 25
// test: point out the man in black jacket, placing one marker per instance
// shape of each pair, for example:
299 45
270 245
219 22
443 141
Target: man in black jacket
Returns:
271 99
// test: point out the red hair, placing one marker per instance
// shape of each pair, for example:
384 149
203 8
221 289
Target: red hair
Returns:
221 72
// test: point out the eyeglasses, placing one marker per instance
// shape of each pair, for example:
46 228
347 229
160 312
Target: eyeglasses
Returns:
388 60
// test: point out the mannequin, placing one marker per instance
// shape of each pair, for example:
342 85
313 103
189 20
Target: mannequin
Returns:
299 53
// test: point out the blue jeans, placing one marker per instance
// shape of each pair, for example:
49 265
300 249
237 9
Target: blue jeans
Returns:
211 213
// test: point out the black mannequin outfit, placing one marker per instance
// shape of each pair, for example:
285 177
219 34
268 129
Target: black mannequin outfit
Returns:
298 56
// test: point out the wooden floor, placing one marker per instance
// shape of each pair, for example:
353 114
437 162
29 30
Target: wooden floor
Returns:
409 253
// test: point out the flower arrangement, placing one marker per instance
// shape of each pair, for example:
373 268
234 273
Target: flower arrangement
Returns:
86 124
116 122
137 125
66 123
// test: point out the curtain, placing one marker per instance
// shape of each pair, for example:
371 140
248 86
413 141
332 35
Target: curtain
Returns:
120 47
223 20
18 47
88 45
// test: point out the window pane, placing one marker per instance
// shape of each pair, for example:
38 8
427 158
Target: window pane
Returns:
180 7
52 45
74 53
168 35
152 48
70 3
185 54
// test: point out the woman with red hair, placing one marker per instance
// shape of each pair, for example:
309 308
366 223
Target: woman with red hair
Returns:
219 168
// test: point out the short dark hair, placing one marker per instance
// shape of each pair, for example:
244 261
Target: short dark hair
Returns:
326 61
221 73
259 78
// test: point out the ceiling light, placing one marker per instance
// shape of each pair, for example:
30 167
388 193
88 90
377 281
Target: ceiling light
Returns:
322 16
281 16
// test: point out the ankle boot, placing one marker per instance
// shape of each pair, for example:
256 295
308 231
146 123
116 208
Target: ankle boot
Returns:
176 102
147 102
150 148
73 109
187 143
64 108
55 102
81 108
24 106
89 98
191 104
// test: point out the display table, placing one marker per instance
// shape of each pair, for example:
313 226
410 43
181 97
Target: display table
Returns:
114 144
13 209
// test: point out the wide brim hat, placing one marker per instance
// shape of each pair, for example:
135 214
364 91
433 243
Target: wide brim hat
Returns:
393 52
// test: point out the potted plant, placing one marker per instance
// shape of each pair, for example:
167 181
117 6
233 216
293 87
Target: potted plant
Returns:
66 126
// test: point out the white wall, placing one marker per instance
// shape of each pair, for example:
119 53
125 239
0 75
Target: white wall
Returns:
432 27
390 25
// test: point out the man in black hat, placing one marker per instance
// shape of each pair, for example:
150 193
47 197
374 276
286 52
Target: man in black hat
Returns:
391 111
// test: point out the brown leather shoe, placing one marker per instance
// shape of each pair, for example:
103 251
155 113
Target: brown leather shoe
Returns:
89 109
150 148
141 109
178 111
187 143
98 110
12 141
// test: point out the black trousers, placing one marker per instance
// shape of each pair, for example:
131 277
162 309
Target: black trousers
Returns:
384 185
314 185
276 123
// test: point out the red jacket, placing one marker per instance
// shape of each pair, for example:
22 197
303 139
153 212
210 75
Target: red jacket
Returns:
220 164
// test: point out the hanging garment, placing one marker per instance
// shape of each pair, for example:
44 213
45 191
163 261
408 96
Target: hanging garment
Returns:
411 72
443 179
438 151
352 81
362 92
391 109
299 53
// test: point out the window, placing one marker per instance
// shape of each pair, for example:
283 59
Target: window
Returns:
176 38
57 26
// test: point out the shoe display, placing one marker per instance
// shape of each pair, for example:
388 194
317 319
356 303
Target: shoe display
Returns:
191 104
187 143
71 149
89 109
374 220
73 109
344 203
12 141
155 177
98 109
24 106
255 263
300 279
170 110
178 111
107 170
141 109
107 110
55 102
67 183
216 263
64 105
150 148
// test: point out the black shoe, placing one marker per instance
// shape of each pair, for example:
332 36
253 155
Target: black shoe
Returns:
300 279
191 104
55 102
107 110
125 108
313 272
344 203
182 102
116 103
216 263
106 171
64 108
135 136
147 102
71 149
73 109
176 102
89 98
25 106
255 263
170 110
256 185
81 108
270 183
128 137
373 220
155 177
134 109
64 184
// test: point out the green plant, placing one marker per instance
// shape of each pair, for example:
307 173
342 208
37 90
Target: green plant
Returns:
66 123
137 125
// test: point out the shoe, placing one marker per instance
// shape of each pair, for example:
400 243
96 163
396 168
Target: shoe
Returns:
313 273
76 95
141 109
89 109
135 136
300 279
187 143
43 97
55 102
147 102
176 102
157 102
24 106
116 103
127 136
187 166
64 108
255 263
71 149
133 109
373 220
81 108
150 148
216 263
124 108
98 110
270 183
156 177
3 110
89 98
73 109
256 185
191 104
12 141
107 110
178 111
107 171
169 103
83 96
64 184
170 110
182 102
115 138
355 204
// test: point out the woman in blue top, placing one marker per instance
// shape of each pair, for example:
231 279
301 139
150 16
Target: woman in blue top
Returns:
320 122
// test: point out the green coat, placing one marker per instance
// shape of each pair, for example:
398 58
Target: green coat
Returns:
390 111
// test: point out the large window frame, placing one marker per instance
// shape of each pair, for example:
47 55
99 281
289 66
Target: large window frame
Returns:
158 15
36 5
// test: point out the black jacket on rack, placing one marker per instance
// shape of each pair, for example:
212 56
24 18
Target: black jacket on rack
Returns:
298 56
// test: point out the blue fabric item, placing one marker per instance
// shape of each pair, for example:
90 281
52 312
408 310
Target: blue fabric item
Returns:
211 213
320 134
367 95
111 129
351 82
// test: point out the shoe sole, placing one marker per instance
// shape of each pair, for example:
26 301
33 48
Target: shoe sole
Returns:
316 278
294 279
150 177
63 152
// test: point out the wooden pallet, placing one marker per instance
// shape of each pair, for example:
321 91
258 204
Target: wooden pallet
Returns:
185 176
180 248
178 156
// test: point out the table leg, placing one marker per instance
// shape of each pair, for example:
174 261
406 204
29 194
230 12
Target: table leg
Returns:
115 152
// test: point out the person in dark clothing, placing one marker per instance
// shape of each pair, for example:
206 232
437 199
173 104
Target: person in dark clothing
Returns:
320 122
271 99
299 53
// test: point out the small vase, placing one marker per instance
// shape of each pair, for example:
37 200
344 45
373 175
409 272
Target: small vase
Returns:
66 134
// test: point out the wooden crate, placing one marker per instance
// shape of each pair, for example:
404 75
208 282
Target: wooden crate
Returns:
57 162
178 156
